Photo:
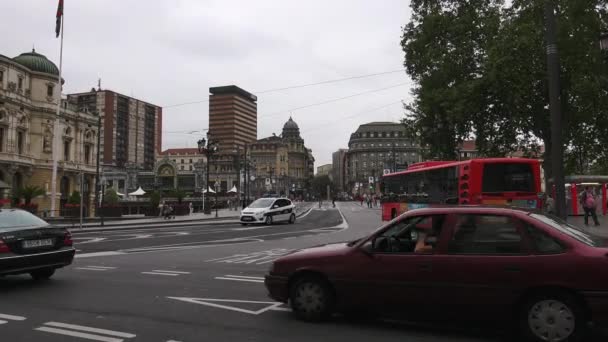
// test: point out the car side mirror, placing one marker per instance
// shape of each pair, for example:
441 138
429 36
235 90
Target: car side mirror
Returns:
368 247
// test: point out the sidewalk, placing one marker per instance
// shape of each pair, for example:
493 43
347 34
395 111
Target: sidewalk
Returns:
601 230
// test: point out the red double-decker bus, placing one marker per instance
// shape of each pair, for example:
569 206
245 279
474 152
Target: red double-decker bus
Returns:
491 181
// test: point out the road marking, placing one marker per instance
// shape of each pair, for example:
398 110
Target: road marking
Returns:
3 322
99 254
103 267
245 277
84 332
12 317
257 258
91 269
251 228
214 302
178 272
164 274
240 279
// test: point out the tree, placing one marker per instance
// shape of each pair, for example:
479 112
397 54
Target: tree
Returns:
480 71
28 193
179 194
74 198
155 199
110 197
319 185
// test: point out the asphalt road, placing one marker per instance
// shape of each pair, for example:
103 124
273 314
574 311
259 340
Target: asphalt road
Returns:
202 286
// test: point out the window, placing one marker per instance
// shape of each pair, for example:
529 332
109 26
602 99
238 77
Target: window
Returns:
543 243
384 134
414 234
121 184
87 154
181 167
485 234
190 161
20 83
190 167
501 177
1 139
49 90
1 76
66 150
182 162
20 141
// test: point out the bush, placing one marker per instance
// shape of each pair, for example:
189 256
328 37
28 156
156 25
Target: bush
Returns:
155 200
74 198
110 198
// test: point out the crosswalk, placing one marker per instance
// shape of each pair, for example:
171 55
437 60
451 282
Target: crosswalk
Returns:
256 258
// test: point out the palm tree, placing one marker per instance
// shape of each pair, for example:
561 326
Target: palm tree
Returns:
179 194
29 192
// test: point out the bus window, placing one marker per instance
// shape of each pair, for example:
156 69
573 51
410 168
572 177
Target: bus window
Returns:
507 177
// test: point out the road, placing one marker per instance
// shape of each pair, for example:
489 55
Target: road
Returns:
189 283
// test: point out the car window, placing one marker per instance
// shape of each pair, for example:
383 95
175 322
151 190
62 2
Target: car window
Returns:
283 202
543 242
485 234
11 219
570 230
261 203
411 235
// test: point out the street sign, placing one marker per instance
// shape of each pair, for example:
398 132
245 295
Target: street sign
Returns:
371 179
386 171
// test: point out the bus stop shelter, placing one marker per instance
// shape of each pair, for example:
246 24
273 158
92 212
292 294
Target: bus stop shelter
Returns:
576 184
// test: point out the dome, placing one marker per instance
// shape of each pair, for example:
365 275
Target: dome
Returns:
290 124
37 62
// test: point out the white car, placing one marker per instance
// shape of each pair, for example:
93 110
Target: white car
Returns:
268 211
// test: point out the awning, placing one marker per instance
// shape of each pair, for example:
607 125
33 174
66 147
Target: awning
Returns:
210 190
119 194
138 192
233 189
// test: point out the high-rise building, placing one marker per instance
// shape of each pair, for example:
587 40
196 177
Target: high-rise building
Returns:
233 117
338 159
131 128
325 170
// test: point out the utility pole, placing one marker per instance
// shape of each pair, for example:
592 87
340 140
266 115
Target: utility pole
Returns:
97 185
553 71
246 176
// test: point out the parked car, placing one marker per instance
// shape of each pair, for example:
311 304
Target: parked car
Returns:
30 245
475 263
268 211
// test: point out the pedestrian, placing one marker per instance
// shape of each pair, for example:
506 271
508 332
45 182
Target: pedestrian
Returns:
549 205
589 205
160 209
191 208
333 201
166 211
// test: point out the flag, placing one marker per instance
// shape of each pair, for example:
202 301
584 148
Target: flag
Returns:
59 18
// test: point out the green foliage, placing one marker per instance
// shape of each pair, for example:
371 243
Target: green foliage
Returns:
480 71
110 197
179 194
27 193
319 185
155 199
74 198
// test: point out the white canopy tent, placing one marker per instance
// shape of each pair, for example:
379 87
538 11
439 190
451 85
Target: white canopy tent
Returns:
233 189
138 192
209 190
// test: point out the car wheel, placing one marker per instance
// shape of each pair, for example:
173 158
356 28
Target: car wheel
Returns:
553 318
292 219
268 220
311 299
43 274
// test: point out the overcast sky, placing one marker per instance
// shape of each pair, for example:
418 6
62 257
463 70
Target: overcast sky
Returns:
168 52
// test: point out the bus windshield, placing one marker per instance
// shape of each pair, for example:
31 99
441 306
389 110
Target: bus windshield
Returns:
507 177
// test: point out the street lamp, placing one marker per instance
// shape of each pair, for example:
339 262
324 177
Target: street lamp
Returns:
208 148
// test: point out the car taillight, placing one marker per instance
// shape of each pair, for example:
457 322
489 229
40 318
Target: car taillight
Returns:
67 239
3 247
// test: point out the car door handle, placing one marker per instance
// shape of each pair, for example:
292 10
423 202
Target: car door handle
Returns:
512 269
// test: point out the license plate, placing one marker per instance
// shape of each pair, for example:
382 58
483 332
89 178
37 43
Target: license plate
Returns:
38 243
247 218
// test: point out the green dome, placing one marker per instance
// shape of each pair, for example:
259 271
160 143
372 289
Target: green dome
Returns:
37 62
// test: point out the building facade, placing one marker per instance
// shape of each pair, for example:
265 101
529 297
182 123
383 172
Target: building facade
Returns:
233 117
339 168
325 170
29 91
375 148
282 164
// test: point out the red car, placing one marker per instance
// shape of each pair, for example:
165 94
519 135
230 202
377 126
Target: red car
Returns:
477 263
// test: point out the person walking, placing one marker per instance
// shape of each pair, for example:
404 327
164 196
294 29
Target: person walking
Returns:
589 205
191 208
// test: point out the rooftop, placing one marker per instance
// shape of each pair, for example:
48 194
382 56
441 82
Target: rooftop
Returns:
232 90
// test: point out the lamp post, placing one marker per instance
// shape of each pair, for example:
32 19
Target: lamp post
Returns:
207 147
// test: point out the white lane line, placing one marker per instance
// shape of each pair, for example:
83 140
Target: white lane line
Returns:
12 317
280 309
90 329
238 279
178 272
79 334
164 274
90 269
245 277
102 267
3 322
99 254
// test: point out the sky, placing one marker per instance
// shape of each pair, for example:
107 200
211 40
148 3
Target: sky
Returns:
169 52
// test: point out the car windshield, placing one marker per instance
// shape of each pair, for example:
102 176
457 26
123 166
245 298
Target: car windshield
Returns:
570 230
261 203
11 219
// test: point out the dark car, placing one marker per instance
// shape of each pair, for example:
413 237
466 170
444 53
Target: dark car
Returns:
30 245
498 265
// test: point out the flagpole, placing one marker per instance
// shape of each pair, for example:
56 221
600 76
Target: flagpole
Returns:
56 130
